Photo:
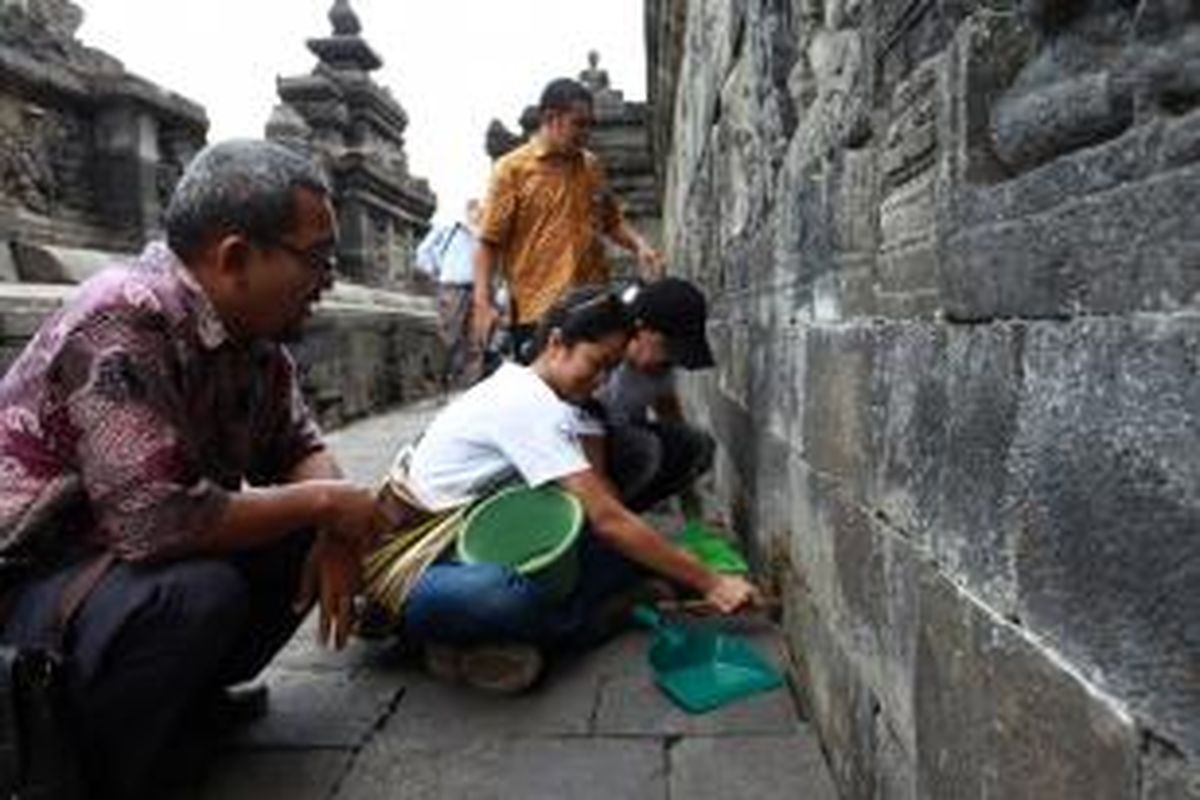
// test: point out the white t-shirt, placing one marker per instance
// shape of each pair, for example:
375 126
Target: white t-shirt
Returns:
510 424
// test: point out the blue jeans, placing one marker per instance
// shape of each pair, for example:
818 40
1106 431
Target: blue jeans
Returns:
465 604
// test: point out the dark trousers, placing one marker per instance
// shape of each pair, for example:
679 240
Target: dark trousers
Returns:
652 461
151 642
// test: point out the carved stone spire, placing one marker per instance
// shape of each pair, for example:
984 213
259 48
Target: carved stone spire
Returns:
345 49
345 21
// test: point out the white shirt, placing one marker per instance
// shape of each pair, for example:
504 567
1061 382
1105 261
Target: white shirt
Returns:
510 424
446 254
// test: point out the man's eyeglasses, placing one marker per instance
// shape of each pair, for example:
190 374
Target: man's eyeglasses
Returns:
319 259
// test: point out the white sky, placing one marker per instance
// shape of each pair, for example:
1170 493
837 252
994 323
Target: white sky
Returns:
454 65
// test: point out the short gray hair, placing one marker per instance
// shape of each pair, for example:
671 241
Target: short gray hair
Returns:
238 186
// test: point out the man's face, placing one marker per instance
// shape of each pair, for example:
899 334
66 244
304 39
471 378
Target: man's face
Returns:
647 351
576 371
569 130
283 284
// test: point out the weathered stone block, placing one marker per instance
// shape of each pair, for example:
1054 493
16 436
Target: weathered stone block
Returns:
843 708
1081 256
875 608
8 266
1166 775
841 426
1105 469
1001 716
910 391
972 536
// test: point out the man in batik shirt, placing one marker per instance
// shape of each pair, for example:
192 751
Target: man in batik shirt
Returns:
157 417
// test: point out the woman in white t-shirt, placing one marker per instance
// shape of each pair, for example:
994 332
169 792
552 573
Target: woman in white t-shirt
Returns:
486 623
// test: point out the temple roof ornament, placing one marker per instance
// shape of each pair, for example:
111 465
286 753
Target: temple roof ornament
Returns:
345 49
341 116
345 21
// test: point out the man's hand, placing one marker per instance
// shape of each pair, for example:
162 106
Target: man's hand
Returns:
731 593
350 513
484 318
651 261
332 575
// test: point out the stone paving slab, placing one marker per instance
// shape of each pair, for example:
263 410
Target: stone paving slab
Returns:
749 768
323 709
294 774
502 769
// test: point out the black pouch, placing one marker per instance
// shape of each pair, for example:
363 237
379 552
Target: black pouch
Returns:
37 754
38 759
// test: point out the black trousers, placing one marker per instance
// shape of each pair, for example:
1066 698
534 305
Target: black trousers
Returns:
651 461
151 642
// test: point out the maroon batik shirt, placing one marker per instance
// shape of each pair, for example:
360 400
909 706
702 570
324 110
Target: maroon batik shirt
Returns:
133 414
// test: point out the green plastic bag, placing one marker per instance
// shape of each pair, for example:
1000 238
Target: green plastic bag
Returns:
712 548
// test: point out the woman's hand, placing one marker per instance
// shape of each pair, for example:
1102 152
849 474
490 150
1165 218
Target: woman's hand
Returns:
730 593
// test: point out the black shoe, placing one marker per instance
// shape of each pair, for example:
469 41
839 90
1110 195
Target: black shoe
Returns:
232 707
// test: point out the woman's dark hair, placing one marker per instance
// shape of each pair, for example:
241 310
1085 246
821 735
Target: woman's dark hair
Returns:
584 314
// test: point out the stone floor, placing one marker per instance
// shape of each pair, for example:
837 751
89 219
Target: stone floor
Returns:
368 723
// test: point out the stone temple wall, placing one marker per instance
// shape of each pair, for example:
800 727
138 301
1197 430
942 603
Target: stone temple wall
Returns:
953 252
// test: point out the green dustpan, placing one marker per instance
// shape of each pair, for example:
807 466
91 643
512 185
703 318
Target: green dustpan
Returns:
701 670
717 552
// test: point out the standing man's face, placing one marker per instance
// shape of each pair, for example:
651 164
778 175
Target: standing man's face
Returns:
569 130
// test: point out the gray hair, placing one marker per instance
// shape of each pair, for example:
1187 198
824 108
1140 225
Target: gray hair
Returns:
239 186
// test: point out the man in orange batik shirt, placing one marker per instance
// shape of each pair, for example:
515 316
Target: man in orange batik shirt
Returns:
547 206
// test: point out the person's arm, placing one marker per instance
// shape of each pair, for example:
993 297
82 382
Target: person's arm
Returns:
484 316
258 516
668 407
633 538
499 212
650 260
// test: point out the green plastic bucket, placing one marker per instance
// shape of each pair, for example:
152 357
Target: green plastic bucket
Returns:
535 531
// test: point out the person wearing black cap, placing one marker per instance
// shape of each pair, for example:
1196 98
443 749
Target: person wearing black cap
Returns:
648 450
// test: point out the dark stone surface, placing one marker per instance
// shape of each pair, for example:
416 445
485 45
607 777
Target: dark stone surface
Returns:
972 535
1107 558
1133 248
843 709
1166 775
998 716
842 440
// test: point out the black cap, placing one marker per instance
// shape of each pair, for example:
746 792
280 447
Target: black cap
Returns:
675 308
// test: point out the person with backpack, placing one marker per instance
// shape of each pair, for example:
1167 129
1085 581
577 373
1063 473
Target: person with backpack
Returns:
446 255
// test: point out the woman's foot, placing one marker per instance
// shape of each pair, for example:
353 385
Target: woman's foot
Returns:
500 668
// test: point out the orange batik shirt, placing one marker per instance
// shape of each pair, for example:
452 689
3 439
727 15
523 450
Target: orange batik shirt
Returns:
544 214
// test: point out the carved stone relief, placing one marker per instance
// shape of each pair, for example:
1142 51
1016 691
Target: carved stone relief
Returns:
1101 67
26 170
